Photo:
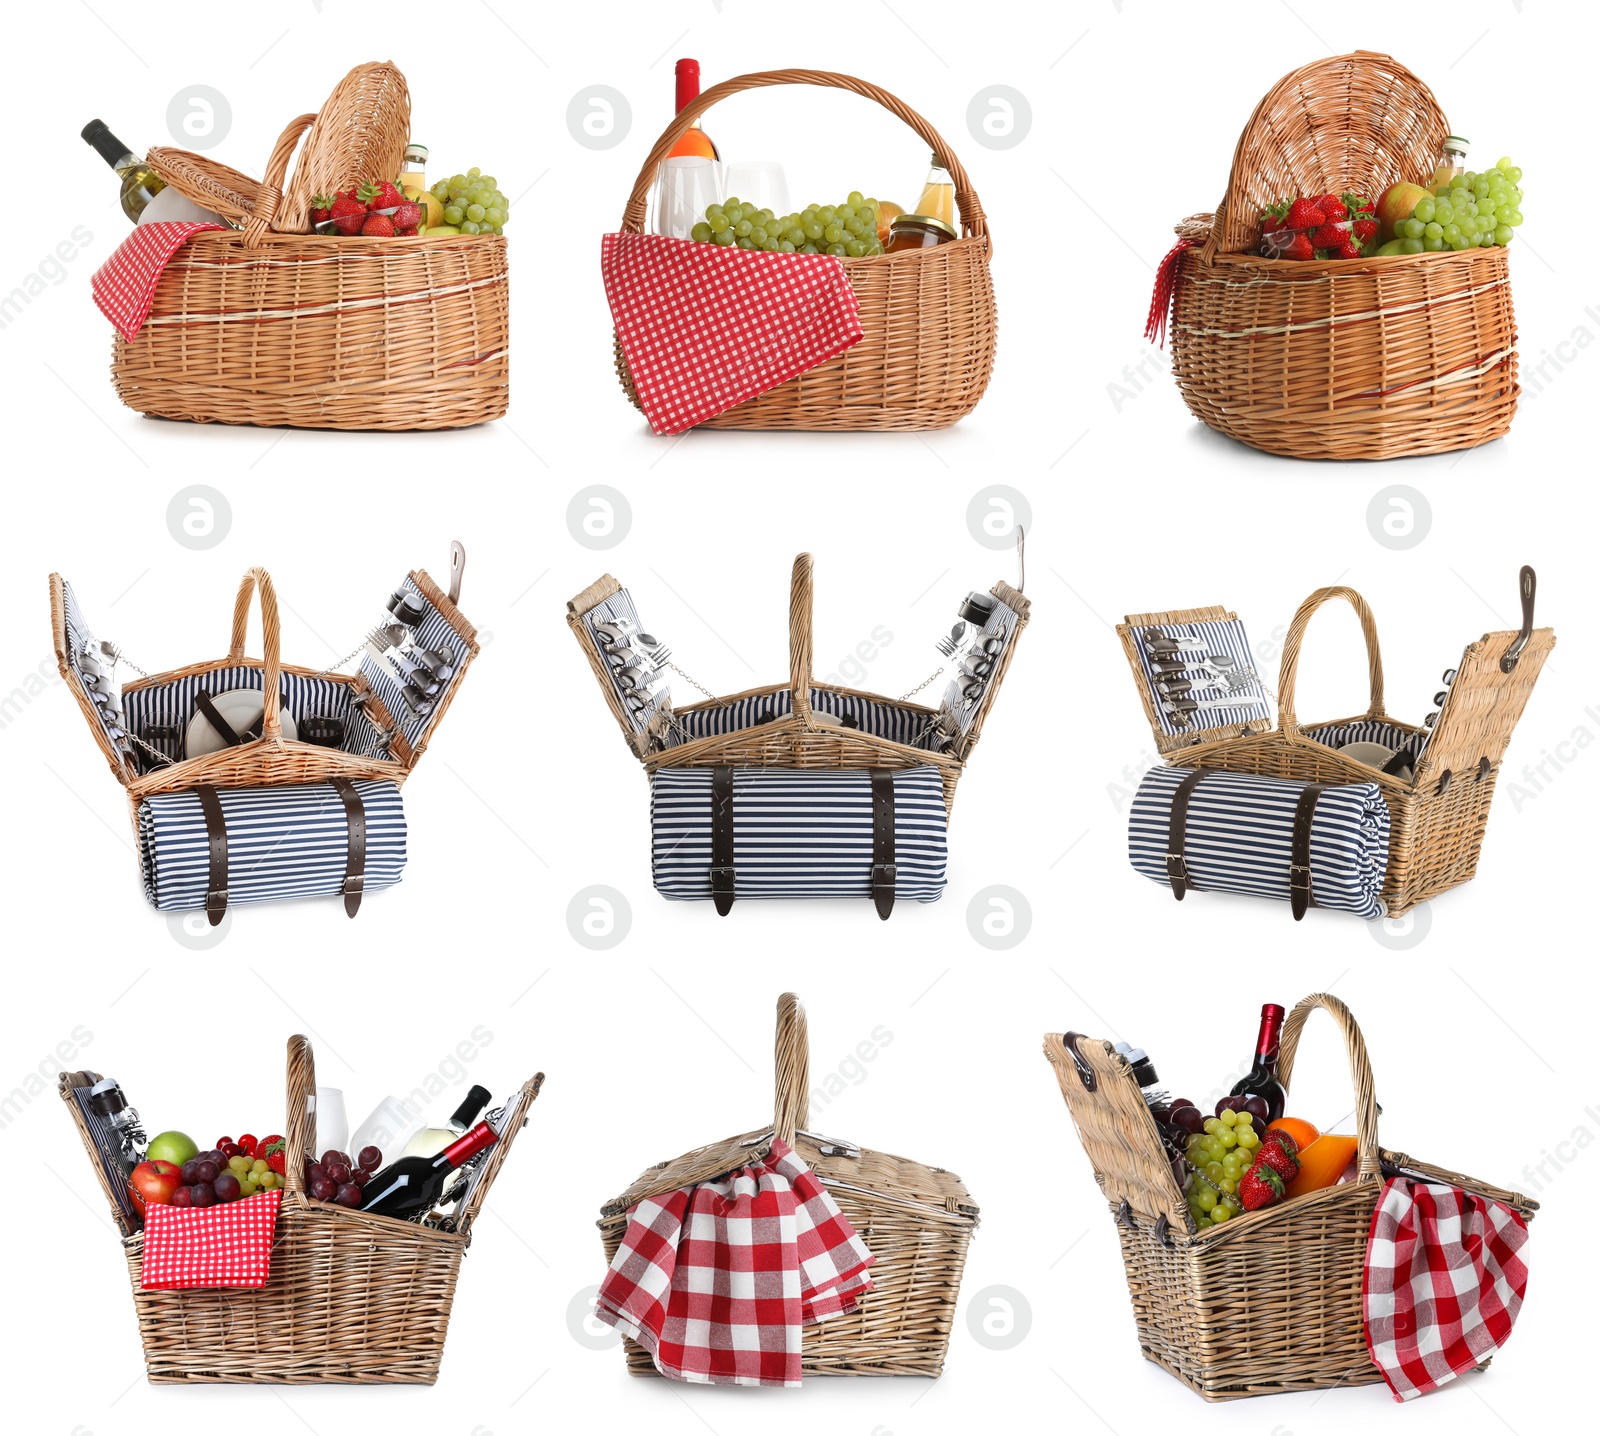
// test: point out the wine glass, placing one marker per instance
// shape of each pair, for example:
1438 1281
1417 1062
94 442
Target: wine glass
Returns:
758 182
331 1125
688 185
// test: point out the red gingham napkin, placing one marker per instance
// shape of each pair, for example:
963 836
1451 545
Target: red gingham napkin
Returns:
125 285
1443 1284
227 1245
704 328
716 1281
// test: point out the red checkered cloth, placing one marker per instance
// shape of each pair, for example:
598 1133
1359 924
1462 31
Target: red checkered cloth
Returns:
125 285
1443 1284
705 327
227 1245
716 1281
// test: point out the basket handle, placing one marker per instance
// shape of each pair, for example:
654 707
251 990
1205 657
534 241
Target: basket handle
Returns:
498 1154
300 1086
1413 144
973 221
1360 1073
266 207
1290 666
792 1061
800 590
271 634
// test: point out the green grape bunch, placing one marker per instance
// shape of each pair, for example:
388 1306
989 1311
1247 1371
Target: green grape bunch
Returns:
473 203
1473 211
846 231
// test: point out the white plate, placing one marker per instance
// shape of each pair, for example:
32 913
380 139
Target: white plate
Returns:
240 709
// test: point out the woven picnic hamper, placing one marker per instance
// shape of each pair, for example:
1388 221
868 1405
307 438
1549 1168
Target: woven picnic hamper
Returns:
1371 358
1439 815
352 1298
376 744
916 1220
276 325
1270 1301
928 315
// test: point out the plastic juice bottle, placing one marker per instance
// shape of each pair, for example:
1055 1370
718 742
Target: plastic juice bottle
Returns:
413 184
938 195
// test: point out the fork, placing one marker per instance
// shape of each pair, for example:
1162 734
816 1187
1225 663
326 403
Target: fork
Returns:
953 643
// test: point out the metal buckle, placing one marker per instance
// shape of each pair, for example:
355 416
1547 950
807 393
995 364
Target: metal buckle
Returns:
1182 869
216 900
355 883
725 868
893 870
1299 868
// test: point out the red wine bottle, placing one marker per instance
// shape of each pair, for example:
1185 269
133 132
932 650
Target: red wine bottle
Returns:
407 1189
1262 1080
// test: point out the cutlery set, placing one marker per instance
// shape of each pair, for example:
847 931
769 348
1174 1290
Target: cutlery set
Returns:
421 673
638 662
1184 672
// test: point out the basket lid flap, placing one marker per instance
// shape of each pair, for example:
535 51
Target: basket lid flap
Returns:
72 640
360 133
1209 650
1484 704
628 663
441 635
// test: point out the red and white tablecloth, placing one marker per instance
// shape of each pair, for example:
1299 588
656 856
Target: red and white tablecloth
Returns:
718 1280
1443 1284
704 327
125 285
226 1245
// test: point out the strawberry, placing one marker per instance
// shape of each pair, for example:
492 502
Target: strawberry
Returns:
1280 1160
247 1145
407 216
380 196
1331 206
1260 1187
1300 248
348 212
1364 230
321 205
1357 203
267 1146
1348 250
1305 214
1272 220
378 226
276 1162
1327 236
1283 1139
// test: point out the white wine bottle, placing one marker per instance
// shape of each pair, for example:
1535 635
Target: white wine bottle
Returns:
430 1141
140 182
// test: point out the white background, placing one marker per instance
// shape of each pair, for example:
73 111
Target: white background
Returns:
528 796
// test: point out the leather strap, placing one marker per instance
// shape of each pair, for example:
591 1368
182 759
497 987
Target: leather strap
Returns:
1177 827
884 870
217 847
722 874
355 863
202 701
1301 895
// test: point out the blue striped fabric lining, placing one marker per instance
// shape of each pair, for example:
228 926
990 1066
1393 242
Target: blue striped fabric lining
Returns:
433 632
1239 832
1003 621
620 605
1219 637
1367 730
283 842
79 635
797 833
881 720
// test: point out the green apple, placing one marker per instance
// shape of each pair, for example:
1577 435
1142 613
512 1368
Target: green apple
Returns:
443 229
174 1147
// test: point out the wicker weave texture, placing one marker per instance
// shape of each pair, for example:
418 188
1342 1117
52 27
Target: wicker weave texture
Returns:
1439 816
1369 358
1272 1300
351 1299
928 315
276 326
916 1220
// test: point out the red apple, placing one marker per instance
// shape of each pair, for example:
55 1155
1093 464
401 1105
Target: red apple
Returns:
1396 204
153 1183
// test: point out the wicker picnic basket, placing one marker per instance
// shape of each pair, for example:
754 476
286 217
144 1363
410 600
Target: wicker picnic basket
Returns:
376 744
928 315
352 1298
1439 815
1341 359
916 1220
1270 1301
276 325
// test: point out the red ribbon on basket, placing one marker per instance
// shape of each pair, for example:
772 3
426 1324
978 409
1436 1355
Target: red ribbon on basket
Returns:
704 328
1166 289
186 1248
1442 1285
125 285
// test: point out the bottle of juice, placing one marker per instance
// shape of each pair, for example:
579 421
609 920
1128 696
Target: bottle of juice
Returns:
413 183
938 195
1452 161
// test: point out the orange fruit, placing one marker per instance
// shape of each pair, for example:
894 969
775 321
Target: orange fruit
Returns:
1322 1163
1303 1132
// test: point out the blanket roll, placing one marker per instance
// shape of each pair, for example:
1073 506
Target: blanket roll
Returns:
1240 827
283 842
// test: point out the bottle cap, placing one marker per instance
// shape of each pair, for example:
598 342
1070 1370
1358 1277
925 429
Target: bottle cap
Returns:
1455 144
106 1096
414 151
105 144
